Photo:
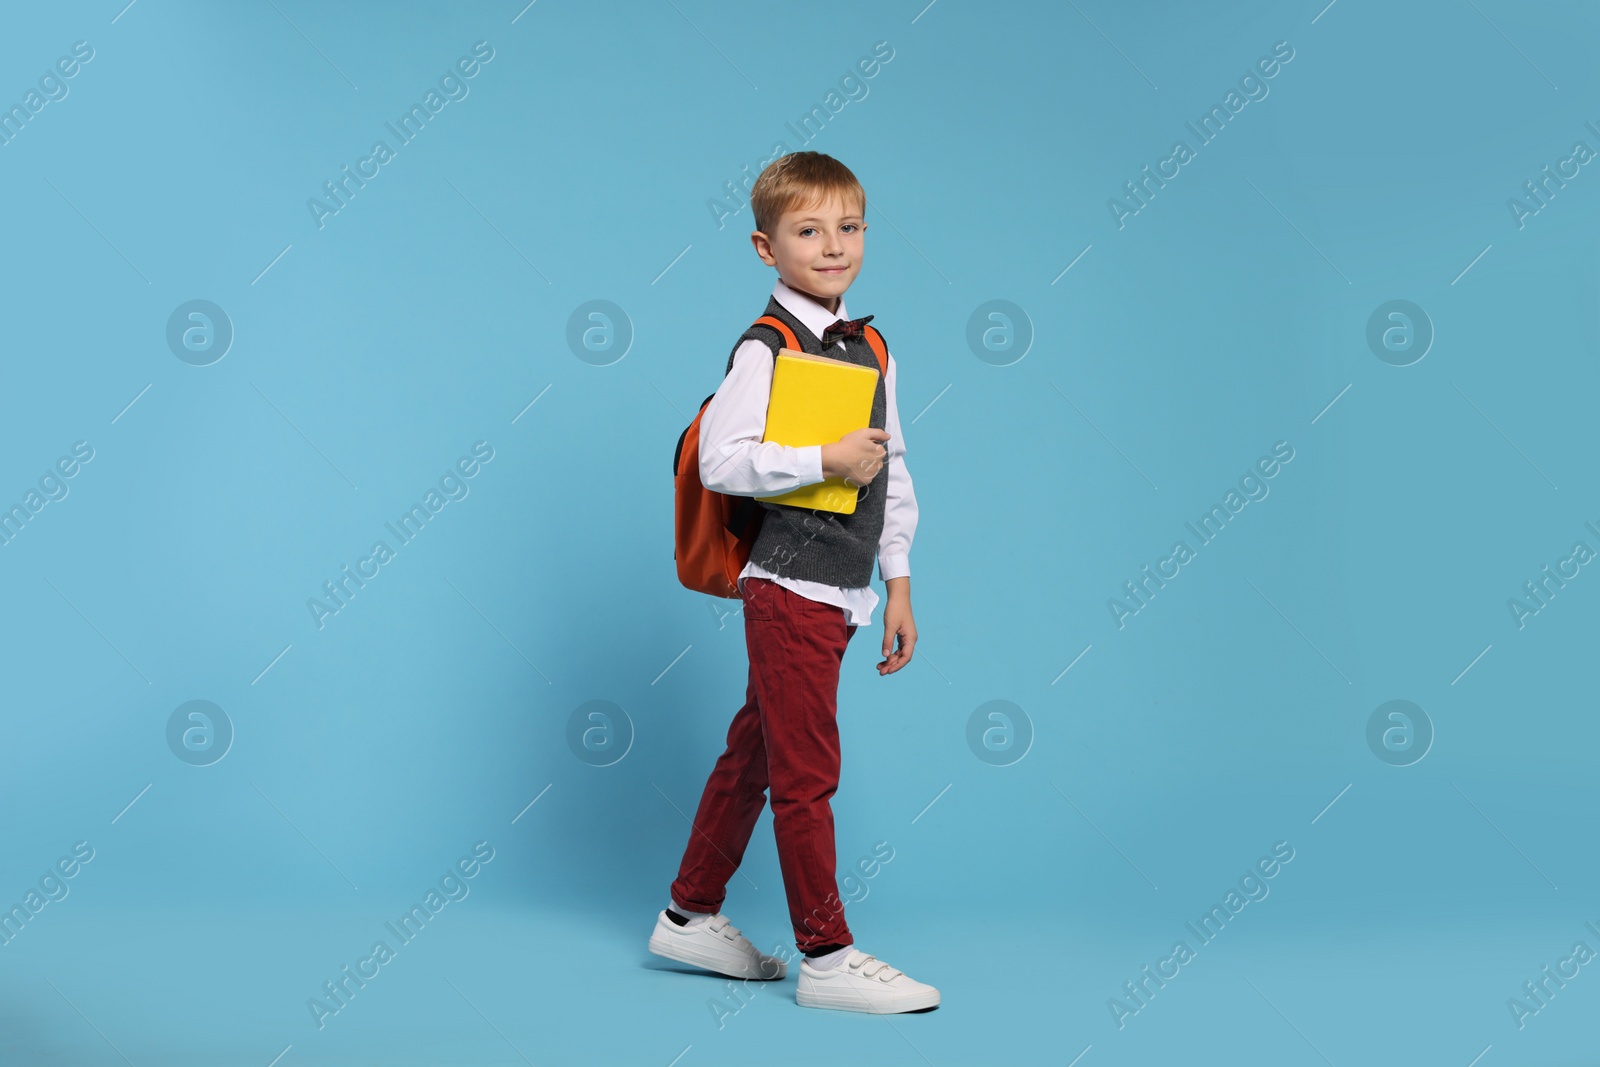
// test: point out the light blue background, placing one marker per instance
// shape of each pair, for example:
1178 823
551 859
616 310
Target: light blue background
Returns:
1230 313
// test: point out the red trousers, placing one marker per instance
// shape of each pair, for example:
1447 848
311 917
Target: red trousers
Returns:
785 739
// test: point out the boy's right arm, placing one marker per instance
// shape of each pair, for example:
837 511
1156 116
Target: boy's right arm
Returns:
733 458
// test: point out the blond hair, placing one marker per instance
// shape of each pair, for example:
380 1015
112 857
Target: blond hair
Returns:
799 179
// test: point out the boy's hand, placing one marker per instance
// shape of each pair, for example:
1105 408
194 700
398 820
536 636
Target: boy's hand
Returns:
897 621
856 456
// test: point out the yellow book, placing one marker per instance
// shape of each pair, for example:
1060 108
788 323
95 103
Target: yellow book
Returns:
815 401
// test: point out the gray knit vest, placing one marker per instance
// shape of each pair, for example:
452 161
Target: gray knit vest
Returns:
823 546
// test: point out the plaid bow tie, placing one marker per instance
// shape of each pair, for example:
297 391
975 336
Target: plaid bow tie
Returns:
843 328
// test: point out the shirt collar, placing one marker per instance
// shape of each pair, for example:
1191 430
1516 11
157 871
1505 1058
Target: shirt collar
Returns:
811 314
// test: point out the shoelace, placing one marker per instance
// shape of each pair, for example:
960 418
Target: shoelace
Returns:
883 972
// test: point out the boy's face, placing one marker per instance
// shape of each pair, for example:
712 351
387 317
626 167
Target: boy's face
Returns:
817 248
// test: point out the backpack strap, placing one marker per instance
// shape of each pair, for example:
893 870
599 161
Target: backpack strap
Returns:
785 337
791 341
879 349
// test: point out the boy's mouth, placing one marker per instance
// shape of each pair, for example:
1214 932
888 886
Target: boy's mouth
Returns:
831 270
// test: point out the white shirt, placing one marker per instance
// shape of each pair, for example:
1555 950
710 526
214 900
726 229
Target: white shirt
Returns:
734 459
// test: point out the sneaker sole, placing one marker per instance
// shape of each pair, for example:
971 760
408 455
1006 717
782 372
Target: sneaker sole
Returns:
807 998
668 948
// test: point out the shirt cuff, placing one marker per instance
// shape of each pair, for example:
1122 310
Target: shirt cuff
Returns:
810 463
898 566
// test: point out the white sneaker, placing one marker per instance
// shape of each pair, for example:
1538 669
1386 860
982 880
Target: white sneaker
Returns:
717 945
862 983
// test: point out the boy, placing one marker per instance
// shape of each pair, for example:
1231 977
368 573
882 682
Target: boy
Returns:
805 591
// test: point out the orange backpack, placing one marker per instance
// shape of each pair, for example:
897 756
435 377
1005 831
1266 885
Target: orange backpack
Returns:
715 531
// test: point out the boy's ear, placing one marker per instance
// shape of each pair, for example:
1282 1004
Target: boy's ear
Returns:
763 247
